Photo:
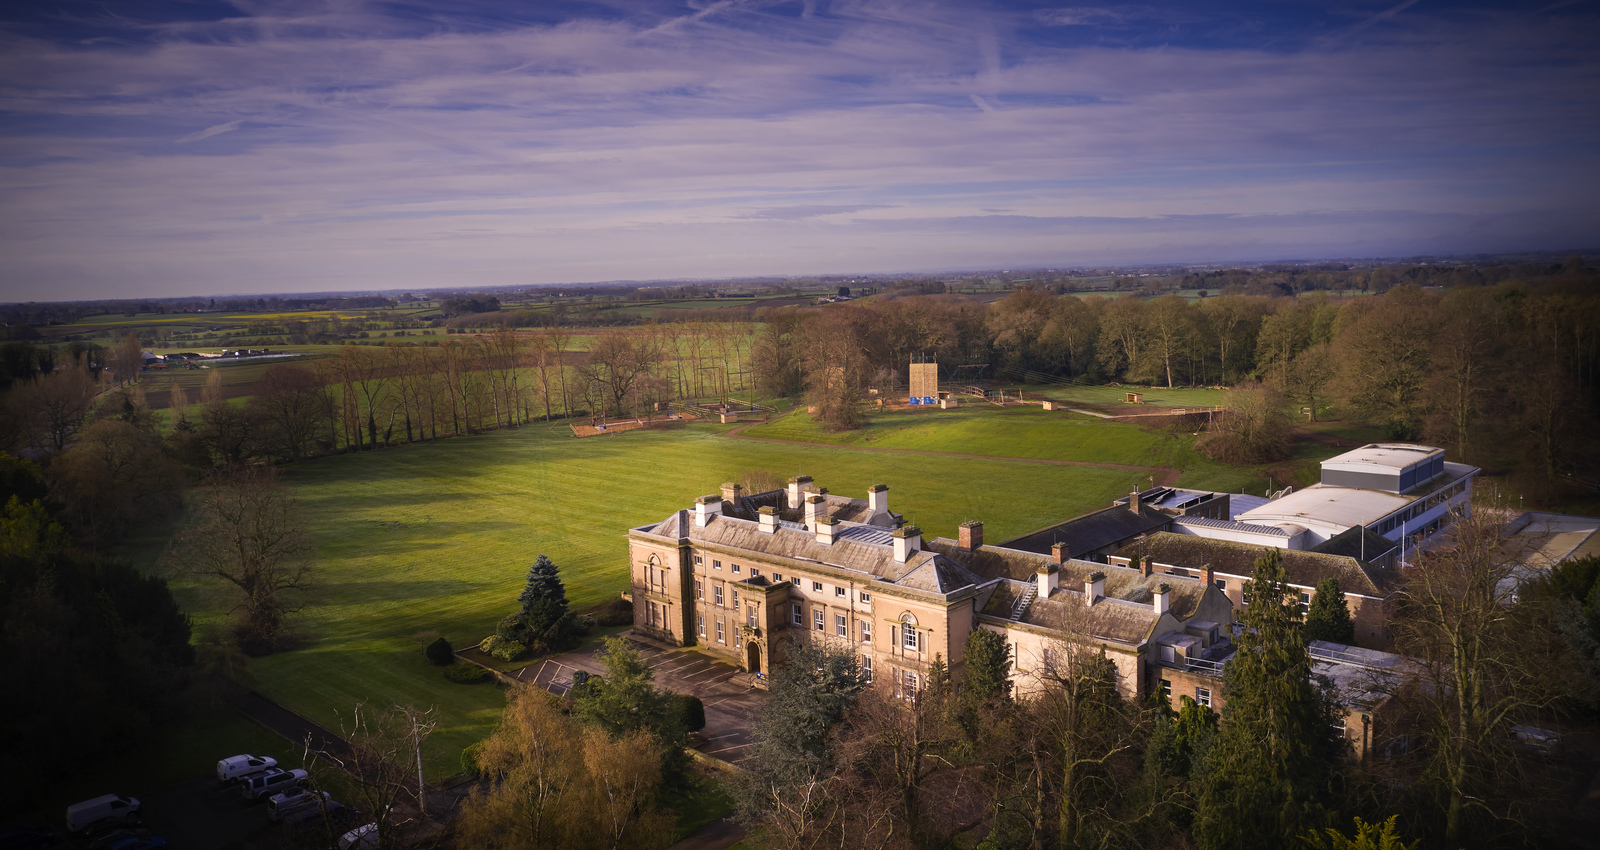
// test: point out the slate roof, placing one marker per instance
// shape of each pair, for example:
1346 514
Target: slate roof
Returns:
874 559
1359 542
1225 556
1232 525
1123 614
1093 531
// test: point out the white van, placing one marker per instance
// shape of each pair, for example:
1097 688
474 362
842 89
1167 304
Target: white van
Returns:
273 781
108 807
238 767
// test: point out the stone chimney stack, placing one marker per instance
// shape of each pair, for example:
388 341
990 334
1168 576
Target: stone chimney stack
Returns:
1208 575
907 541
730 494
827 526
769 520
971 535
1061 552
1147 566
1163 600
707 508
814 504
798 486
1094 588
1133 501
1049 579
878 500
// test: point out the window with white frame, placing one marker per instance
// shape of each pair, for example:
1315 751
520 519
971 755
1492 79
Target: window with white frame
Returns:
752 611
865 596
701 621
816 586
911 639
716 593
716 565
699 560
1305 601
1049 659
866 631
777 576
699 590
720 637
735 567
840 627
1166 690
736 599
794 609
1222 584
1202 696
866 668
755 573
839 591
816 619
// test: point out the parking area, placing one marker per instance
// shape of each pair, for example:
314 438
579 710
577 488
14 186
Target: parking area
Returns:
732 703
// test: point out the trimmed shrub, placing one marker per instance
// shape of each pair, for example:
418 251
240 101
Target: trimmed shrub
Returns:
469 759
440 653
692 712
511 628
617 612
466 674
508 650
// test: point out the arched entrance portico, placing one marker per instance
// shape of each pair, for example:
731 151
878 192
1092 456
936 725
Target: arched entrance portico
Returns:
753 658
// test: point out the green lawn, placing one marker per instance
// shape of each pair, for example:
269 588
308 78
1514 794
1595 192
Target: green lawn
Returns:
439 536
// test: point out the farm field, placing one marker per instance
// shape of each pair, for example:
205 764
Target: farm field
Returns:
439 536
1111 399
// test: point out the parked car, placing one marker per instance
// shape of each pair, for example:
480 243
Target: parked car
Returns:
243 766
274 781
111 838
23 838
360 838
309 815
154 842
279 805
97 831
81 816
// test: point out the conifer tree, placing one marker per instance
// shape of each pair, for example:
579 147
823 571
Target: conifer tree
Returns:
1268 771
544 600
988 661
1329 616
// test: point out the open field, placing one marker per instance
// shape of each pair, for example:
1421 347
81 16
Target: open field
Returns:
439 536
1110 399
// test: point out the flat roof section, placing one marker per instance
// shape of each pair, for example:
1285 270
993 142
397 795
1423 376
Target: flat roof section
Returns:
1385 456
1341 506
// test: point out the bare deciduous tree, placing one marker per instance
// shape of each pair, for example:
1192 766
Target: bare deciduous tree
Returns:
248 533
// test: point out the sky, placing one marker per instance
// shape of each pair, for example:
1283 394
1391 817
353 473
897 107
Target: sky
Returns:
159 148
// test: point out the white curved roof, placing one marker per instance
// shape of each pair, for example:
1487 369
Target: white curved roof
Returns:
1330 506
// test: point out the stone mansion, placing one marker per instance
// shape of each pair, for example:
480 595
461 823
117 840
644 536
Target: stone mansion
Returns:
1152 580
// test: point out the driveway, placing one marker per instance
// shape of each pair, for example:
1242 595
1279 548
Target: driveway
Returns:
731 703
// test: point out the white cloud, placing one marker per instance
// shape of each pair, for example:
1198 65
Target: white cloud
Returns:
737 142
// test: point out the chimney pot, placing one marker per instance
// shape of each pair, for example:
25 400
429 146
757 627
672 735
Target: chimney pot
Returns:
1094 587
1163 600
1049 579
814 503
768 517
827 527
907 541
878 500
971 535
